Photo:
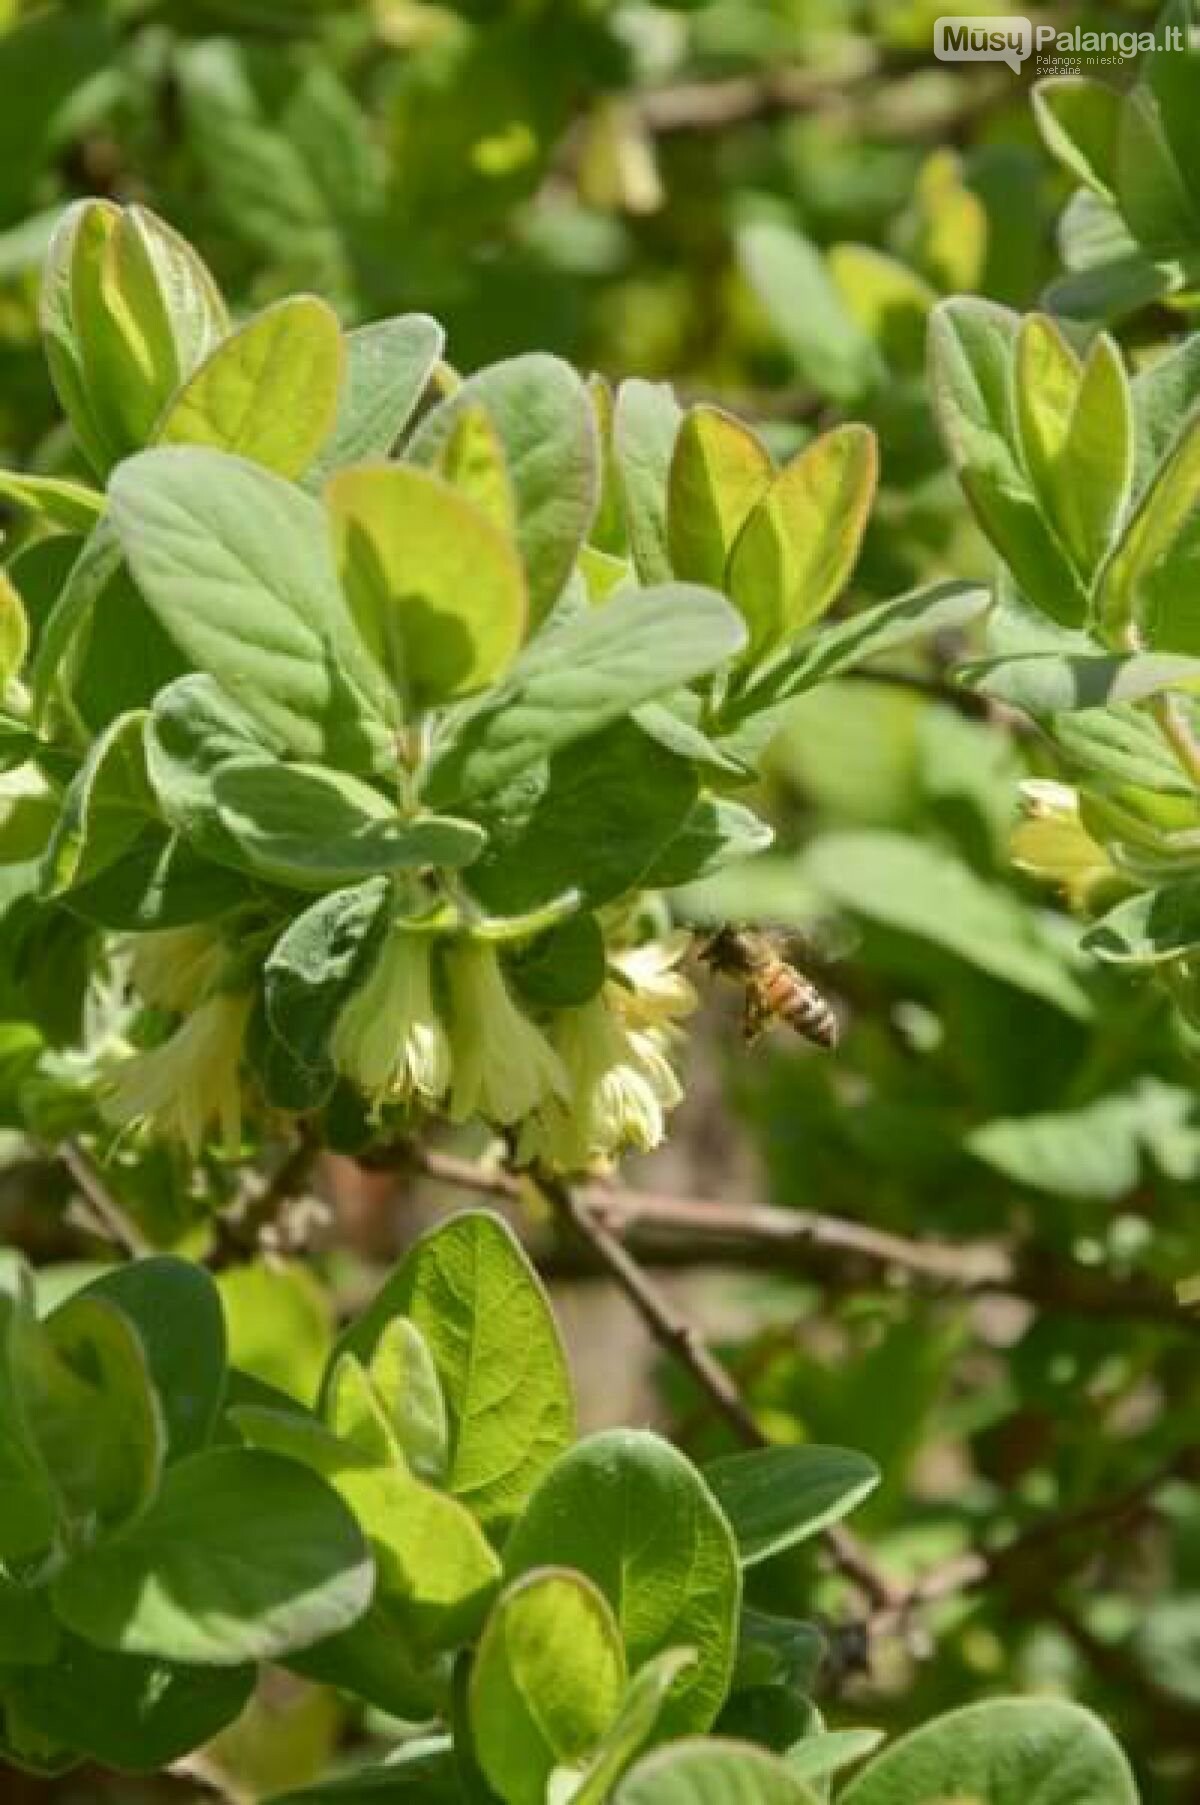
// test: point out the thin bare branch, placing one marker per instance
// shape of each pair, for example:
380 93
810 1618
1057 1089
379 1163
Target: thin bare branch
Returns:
102 1213
833 1250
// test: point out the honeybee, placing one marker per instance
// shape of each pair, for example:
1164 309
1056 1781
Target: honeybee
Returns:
775 990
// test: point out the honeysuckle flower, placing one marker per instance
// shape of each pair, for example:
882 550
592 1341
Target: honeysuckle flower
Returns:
654 994
503 1066
192 1081
389 1038
176 968
622 1086
1052 843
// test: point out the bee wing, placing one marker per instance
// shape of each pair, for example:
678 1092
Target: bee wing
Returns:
826 940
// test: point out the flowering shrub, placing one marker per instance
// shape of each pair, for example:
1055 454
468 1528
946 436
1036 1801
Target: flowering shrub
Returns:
379 816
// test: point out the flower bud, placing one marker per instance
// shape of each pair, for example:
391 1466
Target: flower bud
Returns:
1052 843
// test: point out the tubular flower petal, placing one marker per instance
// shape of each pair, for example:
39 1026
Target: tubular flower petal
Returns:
1052 843
504 1066
389 1039
654 994
192 1081
622 1086
176 968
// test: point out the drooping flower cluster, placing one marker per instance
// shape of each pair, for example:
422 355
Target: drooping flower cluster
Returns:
433 1025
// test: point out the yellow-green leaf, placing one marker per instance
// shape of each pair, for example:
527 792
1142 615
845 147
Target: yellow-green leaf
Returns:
437 590
472 461
799 545
14 633
719 470
1151 535
269 392
1076 430
546 1684
887 299
55 501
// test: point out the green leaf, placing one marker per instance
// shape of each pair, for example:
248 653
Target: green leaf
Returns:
54 501
1054 683
269 392
645 424
98 561
472 462
1147 547
716 833
1091 1153
437 590
776 1497
28 1510
93 1411
388 367
176 1309
564 967
474 1297
310 827
1150 927
1164 394
719 470
632 1514
1152 191
541 412
830 350
827 1752
242 1557
106 808
1079 121
404 1377
128 1712
796 550
575 681
927 892
714 1772
435 1572
279 1320
237 566
972 350
633 1725
14 633
158 883
887 299
568 825
1077 436
546 1683
193 730
753 718
1001 1753
310 973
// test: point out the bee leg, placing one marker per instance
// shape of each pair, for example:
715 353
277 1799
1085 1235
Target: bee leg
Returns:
755 1019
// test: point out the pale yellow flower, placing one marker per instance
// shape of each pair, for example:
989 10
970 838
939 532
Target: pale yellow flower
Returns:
654 994
389 1038
176 968
192 1082
622 1086
503 1066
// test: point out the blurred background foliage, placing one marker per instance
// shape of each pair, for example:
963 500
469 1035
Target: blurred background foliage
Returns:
758 200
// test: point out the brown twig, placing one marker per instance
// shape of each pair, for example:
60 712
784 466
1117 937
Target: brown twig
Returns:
683 1342
695 1232
258 1223
976 1568
671 1330
104 1215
